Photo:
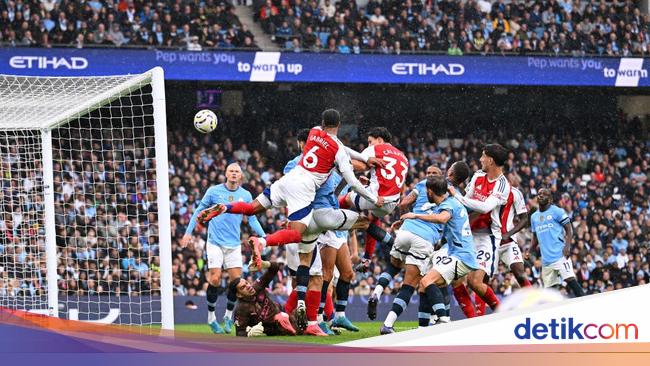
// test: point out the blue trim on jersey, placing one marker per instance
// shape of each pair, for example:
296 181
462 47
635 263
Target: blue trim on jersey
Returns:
267 192
494 250
300 214
313 256
356 202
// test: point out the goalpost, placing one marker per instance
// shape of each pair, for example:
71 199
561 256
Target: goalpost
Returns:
84 198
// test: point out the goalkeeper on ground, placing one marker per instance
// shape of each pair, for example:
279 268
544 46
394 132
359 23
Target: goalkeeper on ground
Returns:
256 314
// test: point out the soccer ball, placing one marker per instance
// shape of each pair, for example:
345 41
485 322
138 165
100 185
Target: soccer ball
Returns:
205 121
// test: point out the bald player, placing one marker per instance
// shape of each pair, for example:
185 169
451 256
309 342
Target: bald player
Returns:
224 242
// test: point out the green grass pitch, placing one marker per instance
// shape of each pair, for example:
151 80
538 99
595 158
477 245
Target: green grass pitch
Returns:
366 329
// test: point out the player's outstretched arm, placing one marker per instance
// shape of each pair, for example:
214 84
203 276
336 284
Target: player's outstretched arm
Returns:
475 205
254 224
343 163
440 218
267 277
355 155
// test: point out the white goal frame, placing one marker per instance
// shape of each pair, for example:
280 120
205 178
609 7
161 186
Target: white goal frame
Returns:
155 78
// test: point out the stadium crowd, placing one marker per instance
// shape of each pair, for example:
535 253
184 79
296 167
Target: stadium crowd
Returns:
455 27
548 27
179 24
108 240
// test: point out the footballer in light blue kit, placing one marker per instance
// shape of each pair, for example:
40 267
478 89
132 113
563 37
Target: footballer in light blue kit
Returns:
461 258
552 231
413 247
223 246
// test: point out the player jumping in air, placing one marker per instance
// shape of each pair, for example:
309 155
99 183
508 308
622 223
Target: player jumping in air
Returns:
224 242
326 216
296 190
552 230
385 181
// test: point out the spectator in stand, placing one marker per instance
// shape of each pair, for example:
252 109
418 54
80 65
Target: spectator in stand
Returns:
102 22
618 28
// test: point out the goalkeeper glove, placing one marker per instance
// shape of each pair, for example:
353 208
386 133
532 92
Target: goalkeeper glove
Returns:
255 331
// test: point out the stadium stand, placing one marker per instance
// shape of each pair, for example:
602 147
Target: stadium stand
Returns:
551 27
108 23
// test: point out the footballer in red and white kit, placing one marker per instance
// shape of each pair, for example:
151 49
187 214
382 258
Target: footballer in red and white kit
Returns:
487 197
386 182
322 153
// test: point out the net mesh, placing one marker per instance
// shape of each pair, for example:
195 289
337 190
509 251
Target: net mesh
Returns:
22 236
104 166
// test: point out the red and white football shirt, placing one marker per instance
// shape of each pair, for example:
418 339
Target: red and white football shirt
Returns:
387 181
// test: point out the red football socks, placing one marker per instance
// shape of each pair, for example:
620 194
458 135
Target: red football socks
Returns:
284 236
490 298
462 296
312 302
292 302
243 208
480 305
328 311
371 242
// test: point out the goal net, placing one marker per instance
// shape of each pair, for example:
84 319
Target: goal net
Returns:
84 200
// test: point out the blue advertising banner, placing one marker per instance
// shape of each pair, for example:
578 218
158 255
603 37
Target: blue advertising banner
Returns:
329 68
